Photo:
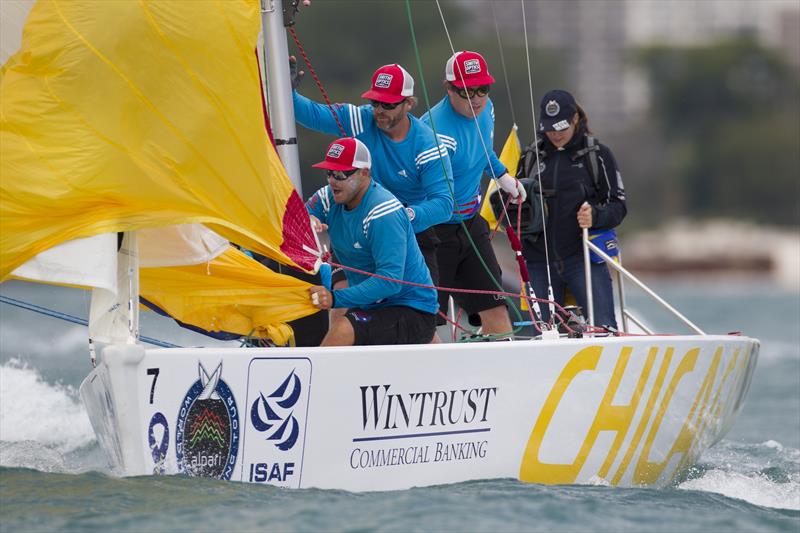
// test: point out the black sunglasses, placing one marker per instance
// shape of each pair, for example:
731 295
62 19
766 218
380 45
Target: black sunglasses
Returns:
384 105
468 92
341 175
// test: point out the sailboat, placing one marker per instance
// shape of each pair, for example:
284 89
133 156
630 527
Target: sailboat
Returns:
119 119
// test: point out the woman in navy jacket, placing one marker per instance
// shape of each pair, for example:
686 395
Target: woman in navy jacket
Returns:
575 198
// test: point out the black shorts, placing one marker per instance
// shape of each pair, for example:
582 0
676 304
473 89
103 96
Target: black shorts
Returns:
461 268
427 241
391 325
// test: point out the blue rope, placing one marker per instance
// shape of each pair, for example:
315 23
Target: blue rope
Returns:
73 319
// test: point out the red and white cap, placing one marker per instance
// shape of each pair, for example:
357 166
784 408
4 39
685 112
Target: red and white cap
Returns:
390 84
467 69
347 153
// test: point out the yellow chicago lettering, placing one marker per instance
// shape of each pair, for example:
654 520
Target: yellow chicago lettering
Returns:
647 472
531 469
648 410
608 418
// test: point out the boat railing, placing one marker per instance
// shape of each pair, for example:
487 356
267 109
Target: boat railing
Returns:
623 274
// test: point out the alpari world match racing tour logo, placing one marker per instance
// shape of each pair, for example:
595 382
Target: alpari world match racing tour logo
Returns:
282 429
207 438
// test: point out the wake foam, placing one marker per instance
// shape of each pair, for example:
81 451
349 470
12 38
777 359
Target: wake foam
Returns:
765 474
33 410
754 488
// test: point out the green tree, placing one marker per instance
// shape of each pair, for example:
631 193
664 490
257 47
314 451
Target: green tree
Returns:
731 118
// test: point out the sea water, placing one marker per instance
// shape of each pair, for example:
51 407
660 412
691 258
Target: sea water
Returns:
54 476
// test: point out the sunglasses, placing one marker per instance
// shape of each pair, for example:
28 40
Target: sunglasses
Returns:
468 92
384 105
341 175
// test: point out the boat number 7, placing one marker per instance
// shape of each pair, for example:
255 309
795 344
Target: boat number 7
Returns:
153 372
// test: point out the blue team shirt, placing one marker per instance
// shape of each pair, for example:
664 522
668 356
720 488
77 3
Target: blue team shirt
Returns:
375 237
467 154
416 170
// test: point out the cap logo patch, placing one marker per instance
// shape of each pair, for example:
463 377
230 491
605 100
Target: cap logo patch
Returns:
552 108
472 66
383 81
335 151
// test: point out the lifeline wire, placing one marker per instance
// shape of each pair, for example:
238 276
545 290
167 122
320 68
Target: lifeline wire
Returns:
73 319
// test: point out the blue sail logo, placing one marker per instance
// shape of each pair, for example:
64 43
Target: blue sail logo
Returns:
284 429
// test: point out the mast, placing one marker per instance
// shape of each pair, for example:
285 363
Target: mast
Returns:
279 85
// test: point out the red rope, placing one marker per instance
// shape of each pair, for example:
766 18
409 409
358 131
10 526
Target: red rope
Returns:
445 289
316 79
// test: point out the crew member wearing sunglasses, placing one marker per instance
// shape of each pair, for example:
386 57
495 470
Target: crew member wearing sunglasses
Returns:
407 160
464 121
370 230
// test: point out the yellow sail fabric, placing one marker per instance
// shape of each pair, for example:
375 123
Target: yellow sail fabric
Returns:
121 115
510 158
233 293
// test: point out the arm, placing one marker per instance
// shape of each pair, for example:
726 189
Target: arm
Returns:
318 117
436 175
319 204
387 237
609 208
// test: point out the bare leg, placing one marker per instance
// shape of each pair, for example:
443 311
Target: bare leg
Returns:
340 333
337 313
495 321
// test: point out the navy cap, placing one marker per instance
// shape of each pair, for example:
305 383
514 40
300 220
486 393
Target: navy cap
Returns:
556 110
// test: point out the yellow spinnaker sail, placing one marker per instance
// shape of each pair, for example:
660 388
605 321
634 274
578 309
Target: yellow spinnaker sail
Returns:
123 115
229 294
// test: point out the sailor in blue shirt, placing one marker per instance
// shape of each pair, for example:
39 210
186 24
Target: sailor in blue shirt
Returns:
464 122
407 160
370 230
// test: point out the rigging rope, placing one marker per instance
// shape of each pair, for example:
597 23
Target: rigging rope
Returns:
538 166
503 63
74 319
436 135
322 90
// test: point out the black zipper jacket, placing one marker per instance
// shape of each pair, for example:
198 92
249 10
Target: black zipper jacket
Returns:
567 182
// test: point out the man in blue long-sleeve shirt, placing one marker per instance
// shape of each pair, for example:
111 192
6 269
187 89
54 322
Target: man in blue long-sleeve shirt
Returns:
407 160
370 231
464 122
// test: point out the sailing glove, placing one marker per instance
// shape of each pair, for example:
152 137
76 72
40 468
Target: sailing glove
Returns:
512 186
295 75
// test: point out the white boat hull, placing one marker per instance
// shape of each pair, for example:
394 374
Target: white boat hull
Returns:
624 411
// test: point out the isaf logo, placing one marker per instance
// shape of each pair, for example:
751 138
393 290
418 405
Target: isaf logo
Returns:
335 150
282 428
472 66
383 81
552 108
207 436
